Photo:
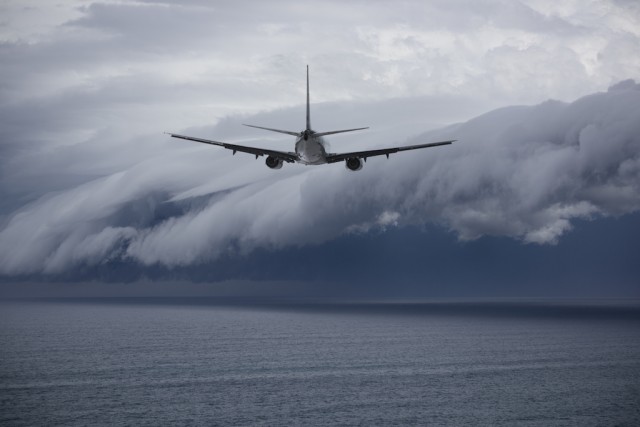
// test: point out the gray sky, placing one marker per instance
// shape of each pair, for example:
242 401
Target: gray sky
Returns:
86 89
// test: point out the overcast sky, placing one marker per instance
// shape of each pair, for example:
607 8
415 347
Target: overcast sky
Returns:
88 180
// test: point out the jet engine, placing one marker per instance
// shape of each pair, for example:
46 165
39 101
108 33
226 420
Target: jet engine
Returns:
273 162
353 164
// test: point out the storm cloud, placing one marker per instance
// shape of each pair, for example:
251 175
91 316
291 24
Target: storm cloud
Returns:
522 172
88 178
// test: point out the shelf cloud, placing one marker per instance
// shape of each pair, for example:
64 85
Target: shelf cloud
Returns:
524 172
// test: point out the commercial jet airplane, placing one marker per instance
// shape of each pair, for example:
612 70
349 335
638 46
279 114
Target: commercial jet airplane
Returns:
310 147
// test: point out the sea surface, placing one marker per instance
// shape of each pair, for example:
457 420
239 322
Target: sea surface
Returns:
205 362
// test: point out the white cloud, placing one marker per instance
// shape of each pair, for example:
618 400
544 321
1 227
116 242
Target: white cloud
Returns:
87 87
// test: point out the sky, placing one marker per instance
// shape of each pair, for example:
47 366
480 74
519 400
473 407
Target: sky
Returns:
542 96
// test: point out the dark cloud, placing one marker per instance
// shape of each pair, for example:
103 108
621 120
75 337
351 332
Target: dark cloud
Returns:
597 259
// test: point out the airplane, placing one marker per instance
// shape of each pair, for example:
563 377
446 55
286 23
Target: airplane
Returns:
310 148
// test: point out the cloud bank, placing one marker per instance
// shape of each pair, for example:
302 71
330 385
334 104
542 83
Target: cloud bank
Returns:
523 172
86 87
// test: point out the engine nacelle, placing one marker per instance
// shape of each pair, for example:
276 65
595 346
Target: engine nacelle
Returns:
353 163
273 163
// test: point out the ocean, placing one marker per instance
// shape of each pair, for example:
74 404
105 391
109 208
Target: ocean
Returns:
210 362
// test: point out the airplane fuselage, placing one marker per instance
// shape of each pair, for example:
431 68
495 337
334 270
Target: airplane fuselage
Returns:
310 149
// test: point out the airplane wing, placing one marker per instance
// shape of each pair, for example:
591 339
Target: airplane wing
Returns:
282 155
332 158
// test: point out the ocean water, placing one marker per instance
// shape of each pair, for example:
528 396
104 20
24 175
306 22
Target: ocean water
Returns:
195 362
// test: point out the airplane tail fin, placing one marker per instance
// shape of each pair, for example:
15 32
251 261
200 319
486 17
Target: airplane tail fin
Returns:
308 131
308 109
289 132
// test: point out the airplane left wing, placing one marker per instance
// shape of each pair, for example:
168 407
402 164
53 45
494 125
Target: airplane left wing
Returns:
332 158
282 155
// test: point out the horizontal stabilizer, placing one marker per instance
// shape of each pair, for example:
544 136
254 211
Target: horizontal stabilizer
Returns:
336 131
288 132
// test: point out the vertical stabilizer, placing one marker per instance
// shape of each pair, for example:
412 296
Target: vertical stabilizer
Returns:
308 110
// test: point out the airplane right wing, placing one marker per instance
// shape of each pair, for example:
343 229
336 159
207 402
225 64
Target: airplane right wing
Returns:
332 158
282 155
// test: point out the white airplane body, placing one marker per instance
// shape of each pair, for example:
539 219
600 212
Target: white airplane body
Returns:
310 147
